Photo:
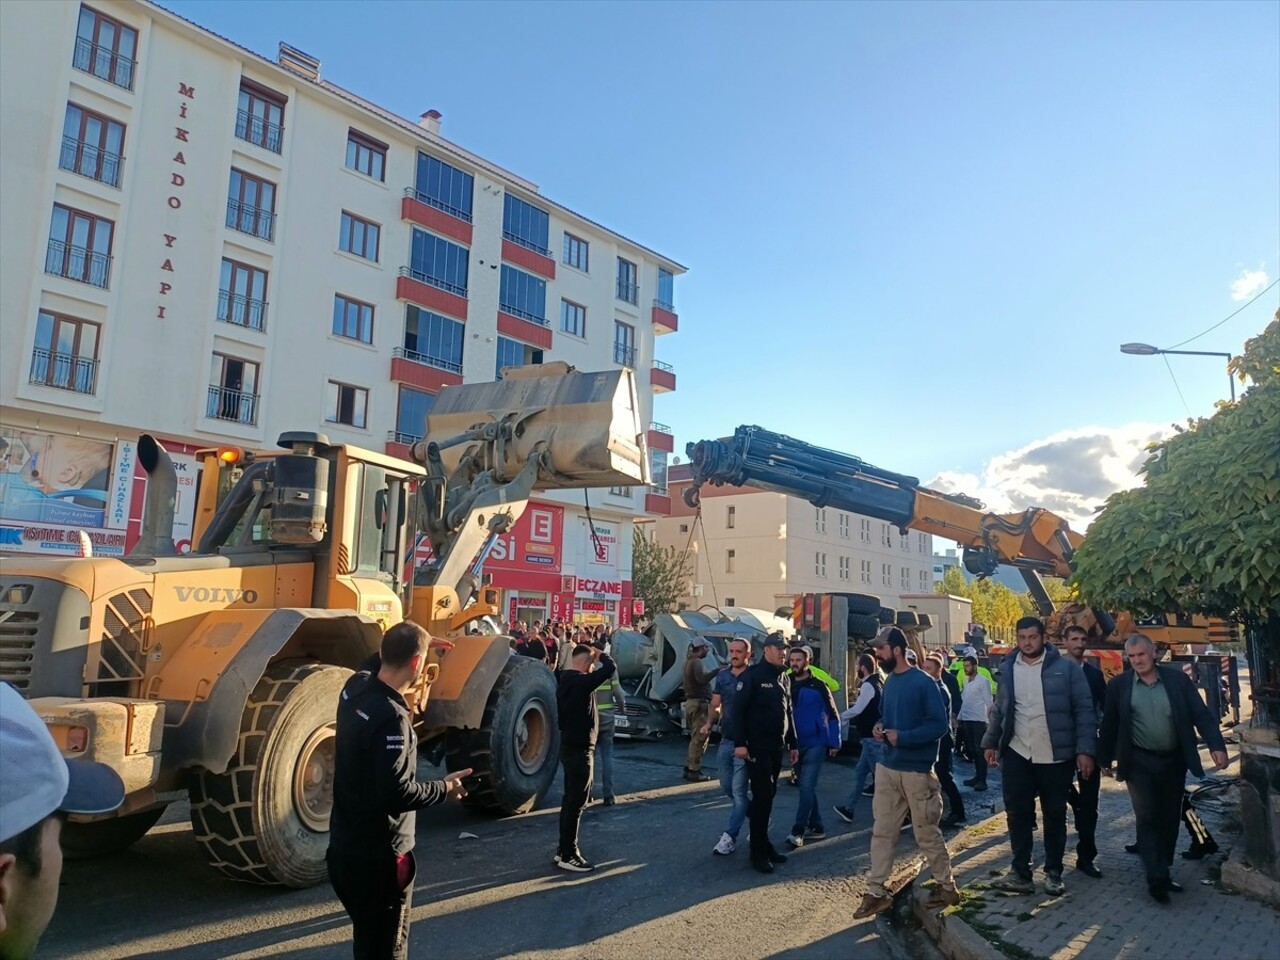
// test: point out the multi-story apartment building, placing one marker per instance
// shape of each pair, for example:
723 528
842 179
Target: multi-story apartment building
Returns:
215 247
756 548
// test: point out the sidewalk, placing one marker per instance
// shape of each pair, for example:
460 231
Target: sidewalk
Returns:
1100 919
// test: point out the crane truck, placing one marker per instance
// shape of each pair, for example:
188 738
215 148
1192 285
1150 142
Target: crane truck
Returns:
215 675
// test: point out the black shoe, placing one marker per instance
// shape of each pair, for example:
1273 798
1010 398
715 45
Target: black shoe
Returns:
1173 886
576 864
972 781
1088 869
1200 850
844 813
951 823
776 857
762 864
695 776
1159 892
980 787
869 791
1130 848
609 801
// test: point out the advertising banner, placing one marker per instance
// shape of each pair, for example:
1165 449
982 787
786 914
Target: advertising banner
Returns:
535 543
51 478
184 509
47 538
602 549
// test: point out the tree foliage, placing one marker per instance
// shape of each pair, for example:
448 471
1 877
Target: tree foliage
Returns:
659 575
1203 534
995 606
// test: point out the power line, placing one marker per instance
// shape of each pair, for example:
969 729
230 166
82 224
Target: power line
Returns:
1175 385
1222 321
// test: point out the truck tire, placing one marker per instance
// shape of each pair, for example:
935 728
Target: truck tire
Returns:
98 837
266 819
863 627
908 618
515 752
888 616
862 604
926 621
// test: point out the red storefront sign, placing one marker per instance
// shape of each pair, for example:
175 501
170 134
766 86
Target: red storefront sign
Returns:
562 606
534 544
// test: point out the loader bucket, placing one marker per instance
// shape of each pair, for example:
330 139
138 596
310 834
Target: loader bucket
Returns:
588 422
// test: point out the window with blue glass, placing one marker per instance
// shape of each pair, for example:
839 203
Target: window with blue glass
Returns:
523 295
444 187
513 353
525 224
432 339
411 414
438 262
666 289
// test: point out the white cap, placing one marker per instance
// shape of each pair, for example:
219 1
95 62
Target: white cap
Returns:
36 780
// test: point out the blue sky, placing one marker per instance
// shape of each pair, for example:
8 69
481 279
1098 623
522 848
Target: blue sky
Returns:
916 232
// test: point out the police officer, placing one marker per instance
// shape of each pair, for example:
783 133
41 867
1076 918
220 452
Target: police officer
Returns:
370 857
760 717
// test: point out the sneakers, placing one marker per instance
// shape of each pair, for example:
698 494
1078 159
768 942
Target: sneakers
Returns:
609 801
1014 883
776 857
869 791
906 824
763 864
1089 869
942 897
1053 884
725 846
695 776
795 840
816 833
844 813
871 905
576 863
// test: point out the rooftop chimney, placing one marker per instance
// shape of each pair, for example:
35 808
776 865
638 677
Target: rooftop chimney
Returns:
294 60
430 121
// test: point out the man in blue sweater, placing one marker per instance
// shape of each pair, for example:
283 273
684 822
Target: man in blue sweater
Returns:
914 719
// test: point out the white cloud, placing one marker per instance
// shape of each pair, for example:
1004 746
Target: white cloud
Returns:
1248 283
1070 473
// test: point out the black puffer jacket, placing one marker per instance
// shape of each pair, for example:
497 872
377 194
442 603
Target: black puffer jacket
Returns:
1068 707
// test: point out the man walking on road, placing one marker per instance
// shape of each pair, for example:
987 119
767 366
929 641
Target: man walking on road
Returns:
862 717
1083 794
914 720
763 727
933 667
1148 729
376 795
1043 729
610 701
817 737
697 703
579 725
733 770
976 700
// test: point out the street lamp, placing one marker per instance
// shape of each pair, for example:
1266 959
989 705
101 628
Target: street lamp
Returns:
1147 350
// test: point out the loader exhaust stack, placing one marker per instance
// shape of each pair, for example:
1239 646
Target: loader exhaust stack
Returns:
158 507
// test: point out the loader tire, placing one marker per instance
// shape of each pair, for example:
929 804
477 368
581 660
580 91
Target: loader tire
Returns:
862 604
98 837
862 627
888 616
266 819
926 621
908 618
514 754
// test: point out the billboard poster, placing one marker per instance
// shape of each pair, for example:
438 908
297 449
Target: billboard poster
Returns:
602 549
19 537
534 544
184 507
48 478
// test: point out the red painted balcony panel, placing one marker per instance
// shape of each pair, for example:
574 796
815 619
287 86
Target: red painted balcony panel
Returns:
399 450
657 503
424 215
421 375
664 320
433 298
661 441
527 259
662 378
534 334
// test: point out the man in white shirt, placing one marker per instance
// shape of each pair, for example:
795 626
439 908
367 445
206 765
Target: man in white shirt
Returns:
976 700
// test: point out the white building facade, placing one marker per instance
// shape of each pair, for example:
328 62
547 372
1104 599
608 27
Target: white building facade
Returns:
214 247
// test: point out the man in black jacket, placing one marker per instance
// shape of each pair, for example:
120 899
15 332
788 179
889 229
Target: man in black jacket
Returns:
375 795
760 717
1149 728
579 726
1083 795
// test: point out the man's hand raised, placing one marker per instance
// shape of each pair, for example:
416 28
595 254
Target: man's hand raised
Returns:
453 784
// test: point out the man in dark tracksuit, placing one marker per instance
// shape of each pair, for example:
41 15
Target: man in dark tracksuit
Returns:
763 725
1083 795
370 856
579 724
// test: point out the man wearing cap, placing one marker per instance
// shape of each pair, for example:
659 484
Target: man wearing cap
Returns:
38 786
862 717
914 718
697 706
817 722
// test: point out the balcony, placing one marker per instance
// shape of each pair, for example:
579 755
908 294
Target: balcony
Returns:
90 160
660 437
98 60
662 377
436 215
524 326
521 253
234 405
659 503
664 318
628 292
400 445
432 293
423 371
242 311
255 221
78 263
66 371
259 132
624 354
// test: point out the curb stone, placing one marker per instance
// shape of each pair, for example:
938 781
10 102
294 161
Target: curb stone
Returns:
955 938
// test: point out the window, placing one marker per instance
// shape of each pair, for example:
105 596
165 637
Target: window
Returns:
105 48
866 571
432 339
251 205
366 155
233 390
820 564
731 517
886 574
924 581
242 295
864 530
525 224
844 525
444 187
513 353
684 528
411 414
573 318
345 404
658 469
620 491
844 568
523 295
576 252
886 539
730 556
79 247
438 262
65 354
359 236
905 578
819 520
260 116
92 145
730 602
624 344
923 541
904 541
352 319
628 286
666 289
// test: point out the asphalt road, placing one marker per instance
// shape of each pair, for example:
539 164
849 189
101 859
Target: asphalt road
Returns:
657 892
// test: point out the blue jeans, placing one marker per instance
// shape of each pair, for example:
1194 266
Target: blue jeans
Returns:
872 753
733 781
604 762
807 815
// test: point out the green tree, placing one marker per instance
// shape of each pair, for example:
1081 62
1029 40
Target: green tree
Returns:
995 606
659 575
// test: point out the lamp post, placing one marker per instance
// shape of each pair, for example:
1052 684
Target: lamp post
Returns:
1147 350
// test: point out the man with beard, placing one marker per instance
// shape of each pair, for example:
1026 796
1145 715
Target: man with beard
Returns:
914 719
1083 793
733 770
862 717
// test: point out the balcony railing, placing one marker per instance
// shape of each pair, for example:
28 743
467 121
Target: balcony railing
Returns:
90 160
259 131
624 355
78 263
102 63
523 314
445 285
431 201
235 405
527 244
408 439
255 221
630 292
657 427
242 311
659 365
426 359
664 304
66 371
